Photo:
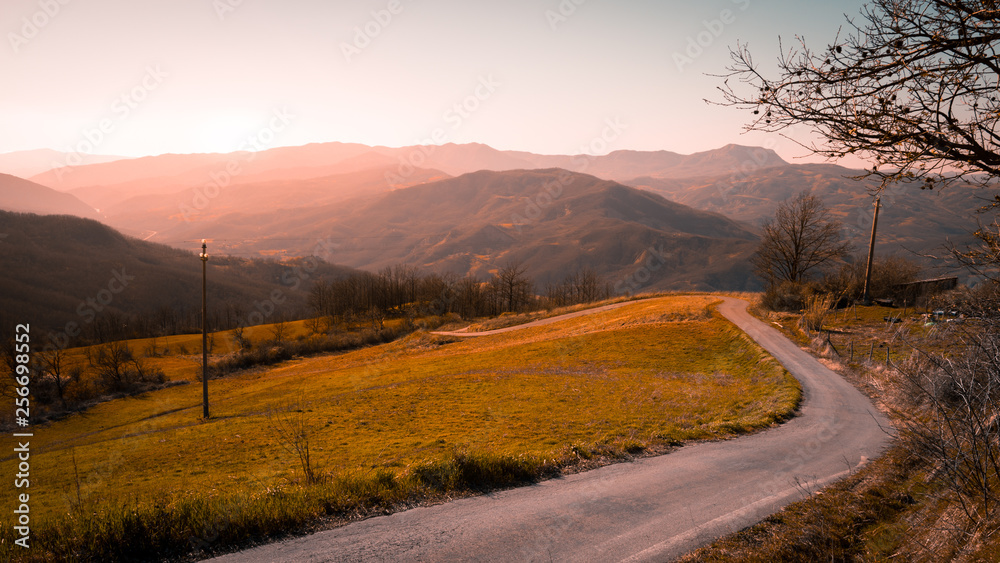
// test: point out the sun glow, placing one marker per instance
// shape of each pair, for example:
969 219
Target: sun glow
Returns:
226 132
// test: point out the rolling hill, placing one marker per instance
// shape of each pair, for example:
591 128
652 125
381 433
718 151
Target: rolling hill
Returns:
146 215
72 270
17 194
553 221
279 200
911 221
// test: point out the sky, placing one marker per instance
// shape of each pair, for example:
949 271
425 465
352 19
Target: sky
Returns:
135 78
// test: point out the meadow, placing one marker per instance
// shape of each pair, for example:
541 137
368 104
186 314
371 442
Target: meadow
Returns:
317 440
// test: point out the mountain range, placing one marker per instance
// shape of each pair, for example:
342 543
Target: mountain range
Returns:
468 209
553 221
25 164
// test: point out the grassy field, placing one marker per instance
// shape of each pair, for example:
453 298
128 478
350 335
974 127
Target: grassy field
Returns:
179 356
389 425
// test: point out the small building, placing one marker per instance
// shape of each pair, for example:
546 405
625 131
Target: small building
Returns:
918 291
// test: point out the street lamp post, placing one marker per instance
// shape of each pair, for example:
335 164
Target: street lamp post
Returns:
204 329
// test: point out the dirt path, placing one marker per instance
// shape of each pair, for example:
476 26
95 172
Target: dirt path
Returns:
653 509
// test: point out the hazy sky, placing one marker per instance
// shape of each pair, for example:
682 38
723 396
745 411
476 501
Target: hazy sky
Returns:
546 76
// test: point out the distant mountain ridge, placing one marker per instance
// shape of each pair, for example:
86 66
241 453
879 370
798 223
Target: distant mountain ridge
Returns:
176 171
18 194
553 221
25 164
295 193
912 221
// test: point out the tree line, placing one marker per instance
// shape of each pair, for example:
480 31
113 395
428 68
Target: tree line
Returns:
405 291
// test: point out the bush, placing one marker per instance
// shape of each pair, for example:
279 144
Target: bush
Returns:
272 352
888 272
786 296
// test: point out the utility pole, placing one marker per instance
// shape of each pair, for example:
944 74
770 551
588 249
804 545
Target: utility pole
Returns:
871 251
204 328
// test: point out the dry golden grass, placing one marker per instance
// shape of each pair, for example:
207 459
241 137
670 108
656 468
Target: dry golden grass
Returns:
646 374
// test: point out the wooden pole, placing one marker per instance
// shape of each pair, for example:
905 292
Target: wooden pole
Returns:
871 251
204 328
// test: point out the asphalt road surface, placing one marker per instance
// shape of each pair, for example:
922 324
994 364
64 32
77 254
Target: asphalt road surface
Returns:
653 509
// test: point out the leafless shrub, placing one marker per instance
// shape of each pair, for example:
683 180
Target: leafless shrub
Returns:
152 349
279 331
319 325
817 308
295 429
376 316
53 364
952 418
242 341
119 368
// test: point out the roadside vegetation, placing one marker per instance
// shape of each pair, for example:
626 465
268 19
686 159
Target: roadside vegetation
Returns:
933 496
314 441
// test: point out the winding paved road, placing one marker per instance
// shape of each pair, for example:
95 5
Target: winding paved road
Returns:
653 509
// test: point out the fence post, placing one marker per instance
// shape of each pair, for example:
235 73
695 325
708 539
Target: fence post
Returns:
871 351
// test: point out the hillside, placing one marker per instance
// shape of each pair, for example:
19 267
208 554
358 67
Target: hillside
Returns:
477 222
910 219
171 172
278 201
78 270
624 165
145 215
17 194
26 164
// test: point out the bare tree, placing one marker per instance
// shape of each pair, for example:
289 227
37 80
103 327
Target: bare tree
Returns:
513 287
376 316
319 325
279 331
322 298
583 286
118 367
800 239
242 341
53 364
911 86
